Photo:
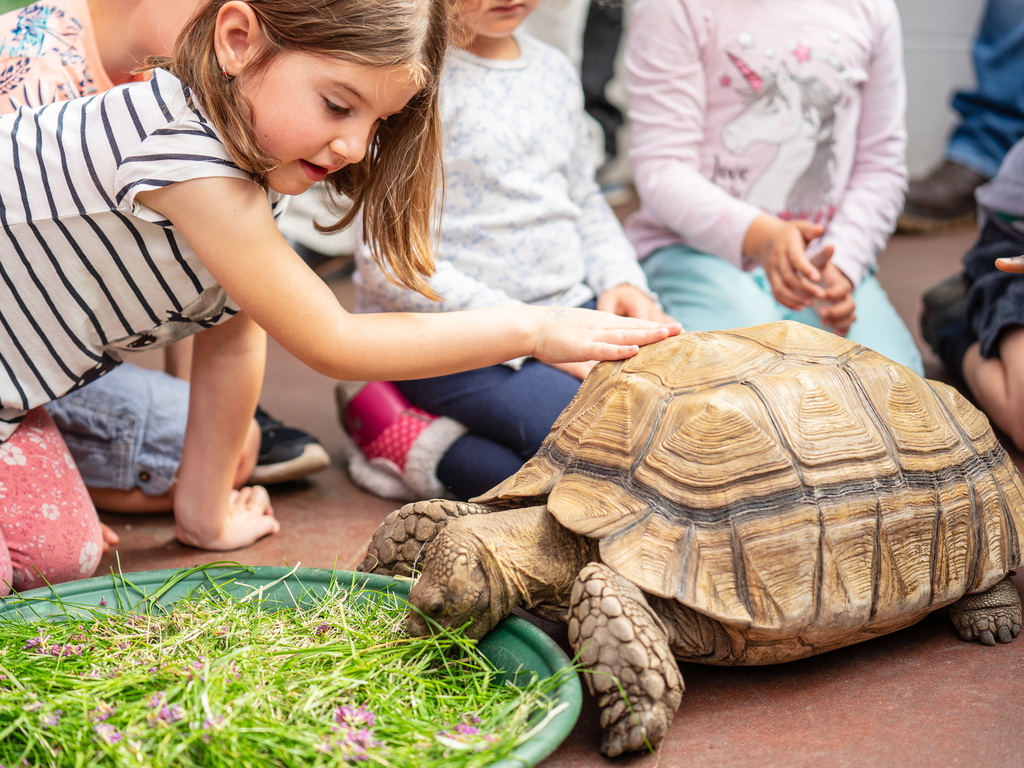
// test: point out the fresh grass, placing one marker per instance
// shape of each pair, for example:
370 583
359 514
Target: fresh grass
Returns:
221 680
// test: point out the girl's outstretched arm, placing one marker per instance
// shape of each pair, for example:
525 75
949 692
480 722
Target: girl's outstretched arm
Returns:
227 372
229 225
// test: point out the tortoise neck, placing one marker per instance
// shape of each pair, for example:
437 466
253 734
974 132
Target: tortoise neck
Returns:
536 558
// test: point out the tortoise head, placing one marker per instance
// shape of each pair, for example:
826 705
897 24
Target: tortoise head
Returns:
460 583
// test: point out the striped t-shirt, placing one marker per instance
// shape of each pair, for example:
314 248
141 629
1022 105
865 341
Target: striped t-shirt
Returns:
86 272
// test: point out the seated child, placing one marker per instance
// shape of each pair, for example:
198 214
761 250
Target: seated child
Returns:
762 132
126 430
981 342
524 222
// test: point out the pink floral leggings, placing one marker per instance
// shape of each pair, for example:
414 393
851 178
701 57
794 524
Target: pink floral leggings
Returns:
49 531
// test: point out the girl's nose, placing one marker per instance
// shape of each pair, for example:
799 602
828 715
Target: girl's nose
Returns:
351 145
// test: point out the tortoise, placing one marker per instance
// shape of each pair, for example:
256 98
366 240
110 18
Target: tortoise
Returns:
751 496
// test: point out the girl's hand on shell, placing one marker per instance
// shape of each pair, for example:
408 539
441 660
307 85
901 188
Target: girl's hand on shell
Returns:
250 518
1011 264
578 335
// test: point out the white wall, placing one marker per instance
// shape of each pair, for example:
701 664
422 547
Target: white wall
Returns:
937 37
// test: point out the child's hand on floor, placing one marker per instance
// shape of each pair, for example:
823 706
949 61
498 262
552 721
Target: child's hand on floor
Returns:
629 301
250 518
577 335
781 248
1010 264
837 309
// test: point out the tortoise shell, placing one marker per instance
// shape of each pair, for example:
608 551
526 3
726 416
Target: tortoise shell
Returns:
782 480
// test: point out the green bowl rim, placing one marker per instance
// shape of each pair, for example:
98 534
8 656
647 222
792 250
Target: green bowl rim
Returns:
531 753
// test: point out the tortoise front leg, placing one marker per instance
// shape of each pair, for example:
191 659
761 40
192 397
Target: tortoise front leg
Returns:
620 640
988 616
397 544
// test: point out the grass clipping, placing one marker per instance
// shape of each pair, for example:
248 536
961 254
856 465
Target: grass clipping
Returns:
222 680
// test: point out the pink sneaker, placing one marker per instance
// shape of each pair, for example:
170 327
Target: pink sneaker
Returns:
396 446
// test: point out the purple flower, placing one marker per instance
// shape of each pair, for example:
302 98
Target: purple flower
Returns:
467 730
322 629
163 712
103 602
101 713
107 733
66 650
51 719
351 742
354 717
33 706
35 642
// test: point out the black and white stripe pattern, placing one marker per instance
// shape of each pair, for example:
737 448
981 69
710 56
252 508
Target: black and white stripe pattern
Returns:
85 270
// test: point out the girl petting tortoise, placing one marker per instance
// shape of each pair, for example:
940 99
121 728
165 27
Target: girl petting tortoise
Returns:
145 214
524 225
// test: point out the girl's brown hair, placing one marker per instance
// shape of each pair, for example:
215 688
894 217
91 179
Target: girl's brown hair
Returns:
396 184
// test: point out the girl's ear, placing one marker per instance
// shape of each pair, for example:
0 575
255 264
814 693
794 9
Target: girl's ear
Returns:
237 37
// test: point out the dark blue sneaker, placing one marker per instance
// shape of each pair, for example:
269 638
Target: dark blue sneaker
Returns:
286 453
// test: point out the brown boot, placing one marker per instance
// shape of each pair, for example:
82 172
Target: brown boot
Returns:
942 200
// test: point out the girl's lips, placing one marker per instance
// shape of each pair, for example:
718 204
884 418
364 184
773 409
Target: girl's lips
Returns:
314 172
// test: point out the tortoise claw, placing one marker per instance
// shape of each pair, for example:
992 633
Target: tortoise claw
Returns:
989 616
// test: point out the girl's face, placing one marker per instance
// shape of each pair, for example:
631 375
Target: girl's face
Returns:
495 18
317 114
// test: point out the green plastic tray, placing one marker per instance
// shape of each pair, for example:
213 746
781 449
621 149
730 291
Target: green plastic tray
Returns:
514 647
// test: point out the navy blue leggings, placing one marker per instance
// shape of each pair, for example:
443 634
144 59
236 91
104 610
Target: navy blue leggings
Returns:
508 414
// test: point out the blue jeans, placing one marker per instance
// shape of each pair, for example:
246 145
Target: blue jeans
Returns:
508 414
993 115
706 293
126 429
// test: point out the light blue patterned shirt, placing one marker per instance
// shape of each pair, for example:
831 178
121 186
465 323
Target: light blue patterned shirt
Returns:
524 221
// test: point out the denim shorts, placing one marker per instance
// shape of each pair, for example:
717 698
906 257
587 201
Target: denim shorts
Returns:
126 429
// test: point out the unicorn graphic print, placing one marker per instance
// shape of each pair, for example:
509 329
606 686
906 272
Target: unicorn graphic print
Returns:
794 112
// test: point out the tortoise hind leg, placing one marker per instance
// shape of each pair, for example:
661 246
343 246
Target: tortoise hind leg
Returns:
397 544
989 616
618 638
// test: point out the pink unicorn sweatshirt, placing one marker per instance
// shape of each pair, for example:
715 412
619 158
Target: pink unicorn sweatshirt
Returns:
790 107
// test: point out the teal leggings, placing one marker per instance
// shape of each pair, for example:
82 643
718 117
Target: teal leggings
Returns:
706 293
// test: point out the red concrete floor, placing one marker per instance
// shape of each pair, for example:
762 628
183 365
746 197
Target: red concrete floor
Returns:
919 697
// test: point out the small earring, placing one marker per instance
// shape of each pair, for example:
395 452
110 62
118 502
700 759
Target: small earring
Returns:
224 71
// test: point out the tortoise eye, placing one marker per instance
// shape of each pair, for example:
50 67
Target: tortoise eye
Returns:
436 608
